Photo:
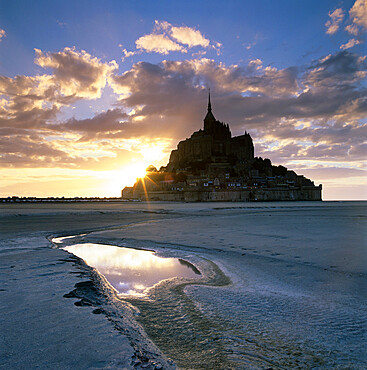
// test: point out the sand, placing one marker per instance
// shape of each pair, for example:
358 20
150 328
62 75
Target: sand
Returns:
284 285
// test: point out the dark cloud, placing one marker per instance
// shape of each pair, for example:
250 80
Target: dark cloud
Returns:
34 118
170 87
343 68
26 151
105 122
359 151
35 152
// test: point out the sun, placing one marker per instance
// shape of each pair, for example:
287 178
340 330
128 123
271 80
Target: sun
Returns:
116 180
134 171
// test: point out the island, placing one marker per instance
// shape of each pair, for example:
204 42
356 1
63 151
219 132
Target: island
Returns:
212 165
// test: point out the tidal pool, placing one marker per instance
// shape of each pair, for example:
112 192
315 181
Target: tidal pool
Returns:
131 271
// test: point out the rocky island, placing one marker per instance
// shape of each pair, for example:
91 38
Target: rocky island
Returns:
212 165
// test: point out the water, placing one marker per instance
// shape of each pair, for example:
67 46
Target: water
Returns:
169 318
131 271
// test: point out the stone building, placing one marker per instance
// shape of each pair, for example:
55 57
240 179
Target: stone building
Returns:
213 145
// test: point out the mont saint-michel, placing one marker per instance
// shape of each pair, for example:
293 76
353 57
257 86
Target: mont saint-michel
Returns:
212 165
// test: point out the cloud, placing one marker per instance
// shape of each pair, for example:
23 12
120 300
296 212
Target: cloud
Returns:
159 44
256 63
2 34
328 86
30 130
166 38
76 73
343 69
189 36
169 99
250 79
352 29
99 126
332 24
199 54
184 35
357 18
249 46
357 23
161 26
28 102
33 151
358 13
350 44
127 53
34 101
28 150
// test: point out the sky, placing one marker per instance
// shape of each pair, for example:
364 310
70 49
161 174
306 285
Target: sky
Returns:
92 92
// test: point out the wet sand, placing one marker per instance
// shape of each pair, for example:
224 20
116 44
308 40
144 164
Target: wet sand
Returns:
284 285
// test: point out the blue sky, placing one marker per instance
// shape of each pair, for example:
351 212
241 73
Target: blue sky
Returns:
282 33
91 89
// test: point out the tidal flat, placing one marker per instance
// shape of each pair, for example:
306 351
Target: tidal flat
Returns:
281 285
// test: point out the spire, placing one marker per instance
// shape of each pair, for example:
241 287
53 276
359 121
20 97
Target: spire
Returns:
209 119
209 104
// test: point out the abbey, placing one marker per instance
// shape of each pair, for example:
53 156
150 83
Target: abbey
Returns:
212 146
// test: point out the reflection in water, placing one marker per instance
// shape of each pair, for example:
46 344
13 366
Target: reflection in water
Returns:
189 265
131 271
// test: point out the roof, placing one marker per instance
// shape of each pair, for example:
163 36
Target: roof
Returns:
209 116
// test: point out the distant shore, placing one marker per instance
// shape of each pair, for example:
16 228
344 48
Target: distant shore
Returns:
16 199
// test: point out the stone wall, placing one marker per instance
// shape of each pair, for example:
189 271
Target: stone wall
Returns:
300 194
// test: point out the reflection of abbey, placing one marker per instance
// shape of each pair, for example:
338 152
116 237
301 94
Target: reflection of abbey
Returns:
212 165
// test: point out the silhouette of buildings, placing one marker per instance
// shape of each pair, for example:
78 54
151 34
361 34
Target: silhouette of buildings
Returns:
212 165
213 148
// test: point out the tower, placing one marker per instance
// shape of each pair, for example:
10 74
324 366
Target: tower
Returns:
209 120
216 129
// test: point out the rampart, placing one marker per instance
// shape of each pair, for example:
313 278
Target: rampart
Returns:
311 193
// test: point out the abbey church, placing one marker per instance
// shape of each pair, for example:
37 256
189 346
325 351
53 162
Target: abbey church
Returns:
213 145
211 165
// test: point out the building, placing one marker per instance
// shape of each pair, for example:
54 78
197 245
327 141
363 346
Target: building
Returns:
212 165
212 148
